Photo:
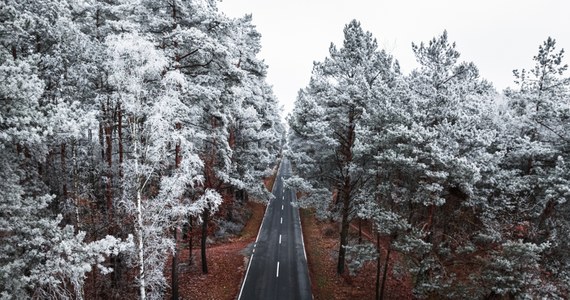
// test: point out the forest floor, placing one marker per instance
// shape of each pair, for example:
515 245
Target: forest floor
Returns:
226 261
321 243
226 264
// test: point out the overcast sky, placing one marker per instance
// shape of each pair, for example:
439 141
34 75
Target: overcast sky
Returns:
497 35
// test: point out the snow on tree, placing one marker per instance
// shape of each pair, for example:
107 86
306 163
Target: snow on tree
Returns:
440 160
255 125
38 255
344 90
153 191
531 193
41 256
109 111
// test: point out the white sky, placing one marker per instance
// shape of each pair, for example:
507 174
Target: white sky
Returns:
497 35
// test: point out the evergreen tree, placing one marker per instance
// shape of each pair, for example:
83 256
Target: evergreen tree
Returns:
532 185
344 89
41 256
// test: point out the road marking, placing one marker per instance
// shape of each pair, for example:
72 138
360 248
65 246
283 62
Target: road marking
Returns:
281 220
279 239
277 270
256 239
281 206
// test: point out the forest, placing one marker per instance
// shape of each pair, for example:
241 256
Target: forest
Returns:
129 127
124 127
468 186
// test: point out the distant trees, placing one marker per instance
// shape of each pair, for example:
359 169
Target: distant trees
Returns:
469 188
122 122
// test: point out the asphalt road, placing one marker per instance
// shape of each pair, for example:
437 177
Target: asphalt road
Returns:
278 264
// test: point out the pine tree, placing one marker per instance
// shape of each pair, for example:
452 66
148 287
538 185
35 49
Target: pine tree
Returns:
433 158
343 88
531 189
43 256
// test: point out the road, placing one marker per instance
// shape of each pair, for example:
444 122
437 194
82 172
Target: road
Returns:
277 267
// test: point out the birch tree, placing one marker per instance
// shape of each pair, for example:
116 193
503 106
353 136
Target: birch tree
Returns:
152 189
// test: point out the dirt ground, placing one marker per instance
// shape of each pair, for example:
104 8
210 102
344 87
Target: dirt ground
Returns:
321 243
226 264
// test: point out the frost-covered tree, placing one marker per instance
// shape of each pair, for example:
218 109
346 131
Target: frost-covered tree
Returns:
41 256
432 153
343 90
118 118
531 193
153 191
456 129
255 126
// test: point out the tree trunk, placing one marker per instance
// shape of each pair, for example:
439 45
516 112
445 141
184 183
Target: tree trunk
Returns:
178 150
75 182
177 159
429 224
102 139
139 226
63 170
140 240
344 230
190 240
120 136
378 266
109 159
203 241
360 231
175 266
346 191
385 272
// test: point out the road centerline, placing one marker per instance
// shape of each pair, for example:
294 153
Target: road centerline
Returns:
293 282
277 275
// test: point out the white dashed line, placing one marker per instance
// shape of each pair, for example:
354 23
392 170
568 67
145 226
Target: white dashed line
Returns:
256 239
279 239
281 220
281 206
277 270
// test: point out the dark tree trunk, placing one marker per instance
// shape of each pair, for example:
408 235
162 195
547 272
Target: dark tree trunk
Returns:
346 191
120 136
385 272
203 241
175 266
63 170
360 231
178 150
109 159
102 139
190 240
174 296
345 222
378 267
